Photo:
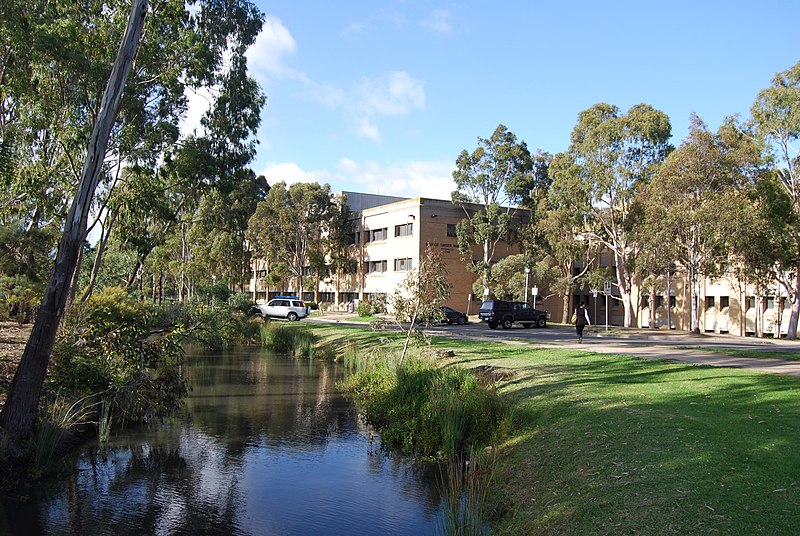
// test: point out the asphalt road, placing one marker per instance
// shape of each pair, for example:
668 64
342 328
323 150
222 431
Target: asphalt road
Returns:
677 346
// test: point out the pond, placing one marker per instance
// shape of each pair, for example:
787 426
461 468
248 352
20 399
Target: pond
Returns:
267 446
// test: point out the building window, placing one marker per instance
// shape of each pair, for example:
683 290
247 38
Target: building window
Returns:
659 301
307 271
372 267
724 301
709 302
353 238
326 297
402 265
349 296
376 234
308 296
451 230
749 303
407 229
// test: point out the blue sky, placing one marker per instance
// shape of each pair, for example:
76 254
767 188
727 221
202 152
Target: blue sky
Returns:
381 96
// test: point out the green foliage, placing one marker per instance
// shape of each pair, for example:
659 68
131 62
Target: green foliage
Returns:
490 176
241 302
420 408
110 348
19 297
219 326
294 340
611 157
364 308
297 226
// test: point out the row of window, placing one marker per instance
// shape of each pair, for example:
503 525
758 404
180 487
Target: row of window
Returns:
406 229
400 265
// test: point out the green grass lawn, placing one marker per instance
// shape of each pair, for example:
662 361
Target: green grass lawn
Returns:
617 445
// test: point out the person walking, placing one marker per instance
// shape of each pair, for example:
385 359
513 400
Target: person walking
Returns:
581 317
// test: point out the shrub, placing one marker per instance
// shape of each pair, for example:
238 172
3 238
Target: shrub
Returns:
110 349
423 409
293 340
364 308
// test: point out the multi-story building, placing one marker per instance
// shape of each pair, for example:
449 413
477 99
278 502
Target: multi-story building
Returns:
390 235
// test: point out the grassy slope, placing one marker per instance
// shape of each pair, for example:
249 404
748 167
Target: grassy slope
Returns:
617 445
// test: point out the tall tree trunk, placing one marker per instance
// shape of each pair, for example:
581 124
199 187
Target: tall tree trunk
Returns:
73 281
105 233
624 289
565 308
695 320
795 298
653 307
19 413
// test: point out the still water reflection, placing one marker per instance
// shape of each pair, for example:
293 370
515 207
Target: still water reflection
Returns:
267 446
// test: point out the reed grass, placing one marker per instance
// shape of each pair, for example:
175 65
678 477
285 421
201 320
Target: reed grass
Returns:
57 419
466 483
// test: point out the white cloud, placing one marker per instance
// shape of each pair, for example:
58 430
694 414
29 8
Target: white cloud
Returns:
431 179
198 104
394 93
266 58
288 172
440 21
353 28
366 129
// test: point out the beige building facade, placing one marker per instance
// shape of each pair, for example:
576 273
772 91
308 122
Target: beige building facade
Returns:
390 235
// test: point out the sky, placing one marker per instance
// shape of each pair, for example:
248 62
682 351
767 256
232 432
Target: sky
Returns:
381 96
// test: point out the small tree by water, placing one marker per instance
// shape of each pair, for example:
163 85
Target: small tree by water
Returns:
418 298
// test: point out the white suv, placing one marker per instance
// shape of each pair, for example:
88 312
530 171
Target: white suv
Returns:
288 307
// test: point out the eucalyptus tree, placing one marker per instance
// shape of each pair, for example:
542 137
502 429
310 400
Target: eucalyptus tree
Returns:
483 178
18 416
616 155
217 235
296 225
62 53
776 119
683 202
566 230
762 245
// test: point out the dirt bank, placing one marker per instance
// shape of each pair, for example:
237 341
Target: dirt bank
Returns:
12 342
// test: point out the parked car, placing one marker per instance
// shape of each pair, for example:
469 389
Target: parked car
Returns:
288 307
451 316
506 313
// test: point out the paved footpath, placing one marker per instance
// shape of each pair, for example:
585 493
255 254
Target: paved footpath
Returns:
674 346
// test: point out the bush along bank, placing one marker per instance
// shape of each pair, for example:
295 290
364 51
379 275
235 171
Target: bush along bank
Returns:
117 360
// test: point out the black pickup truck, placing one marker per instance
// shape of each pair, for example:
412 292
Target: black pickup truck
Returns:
505 313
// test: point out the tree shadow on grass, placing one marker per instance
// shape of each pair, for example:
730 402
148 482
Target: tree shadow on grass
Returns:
652 447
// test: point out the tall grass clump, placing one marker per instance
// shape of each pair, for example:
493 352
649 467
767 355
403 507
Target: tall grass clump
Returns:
422 409
466 483
58 419
293 340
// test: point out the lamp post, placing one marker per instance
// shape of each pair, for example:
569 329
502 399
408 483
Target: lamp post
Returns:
527 273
